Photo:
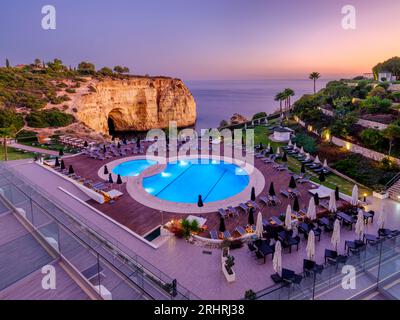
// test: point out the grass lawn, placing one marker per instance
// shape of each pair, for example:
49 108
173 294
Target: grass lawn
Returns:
13 154
261 135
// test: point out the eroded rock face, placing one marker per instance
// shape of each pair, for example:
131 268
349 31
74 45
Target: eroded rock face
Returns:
138 104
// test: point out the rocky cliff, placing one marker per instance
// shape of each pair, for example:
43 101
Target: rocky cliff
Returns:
137 104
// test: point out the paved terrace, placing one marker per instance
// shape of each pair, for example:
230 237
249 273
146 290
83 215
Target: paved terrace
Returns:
21 260
142 219
201 273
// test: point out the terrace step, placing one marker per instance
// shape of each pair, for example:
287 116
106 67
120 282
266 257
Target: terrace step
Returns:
394 191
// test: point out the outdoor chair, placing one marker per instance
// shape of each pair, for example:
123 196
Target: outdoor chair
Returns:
244 207
330 256
276 278
213 235
251 247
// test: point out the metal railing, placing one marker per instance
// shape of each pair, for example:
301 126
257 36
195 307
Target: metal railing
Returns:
149 278
375 267
392 182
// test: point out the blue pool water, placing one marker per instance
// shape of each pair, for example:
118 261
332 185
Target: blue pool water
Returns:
132 168
186 180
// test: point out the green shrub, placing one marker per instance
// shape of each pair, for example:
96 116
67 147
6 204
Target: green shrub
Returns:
372 138
11 119
307 142
27 136
70 90
49 118
376 105
259 115
364 170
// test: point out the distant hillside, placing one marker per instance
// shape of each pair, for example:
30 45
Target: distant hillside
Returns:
45 97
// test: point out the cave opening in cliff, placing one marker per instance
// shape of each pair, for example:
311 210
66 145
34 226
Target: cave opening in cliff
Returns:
111 126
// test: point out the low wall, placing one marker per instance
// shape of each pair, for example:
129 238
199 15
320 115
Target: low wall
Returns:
368 153
361 122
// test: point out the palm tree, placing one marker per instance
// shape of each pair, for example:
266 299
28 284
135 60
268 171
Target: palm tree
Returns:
314 76
280 97
288 93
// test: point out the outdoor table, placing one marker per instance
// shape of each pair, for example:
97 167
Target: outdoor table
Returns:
353 245
370 238
368 215
346 218
324 221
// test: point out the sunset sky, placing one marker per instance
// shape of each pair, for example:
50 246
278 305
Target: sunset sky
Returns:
205 39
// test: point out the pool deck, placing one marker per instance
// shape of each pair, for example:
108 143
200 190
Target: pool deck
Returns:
199 272
142 219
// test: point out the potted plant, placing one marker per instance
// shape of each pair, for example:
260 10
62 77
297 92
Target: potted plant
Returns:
227 269
250 295
224 254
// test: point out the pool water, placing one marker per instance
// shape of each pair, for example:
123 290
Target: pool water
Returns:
132 168
186 180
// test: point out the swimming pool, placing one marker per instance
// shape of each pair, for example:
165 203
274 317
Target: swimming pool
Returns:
185 180
132 168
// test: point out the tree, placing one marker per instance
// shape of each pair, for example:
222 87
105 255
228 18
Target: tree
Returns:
56 65
121 70
37 63
86 68
10 124
371 137
314 76
280 97
7 63
105 71
391 133
288 94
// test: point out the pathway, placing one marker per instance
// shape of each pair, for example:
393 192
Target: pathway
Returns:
34 149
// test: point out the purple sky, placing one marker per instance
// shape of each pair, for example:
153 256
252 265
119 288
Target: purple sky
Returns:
205 39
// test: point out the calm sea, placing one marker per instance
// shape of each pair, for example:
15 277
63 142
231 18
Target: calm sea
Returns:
219 99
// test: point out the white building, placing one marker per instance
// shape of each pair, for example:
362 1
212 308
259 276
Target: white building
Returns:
386 76
282 134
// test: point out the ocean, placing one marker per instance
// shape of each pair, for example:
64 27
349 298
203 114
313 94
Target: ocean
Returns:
219 99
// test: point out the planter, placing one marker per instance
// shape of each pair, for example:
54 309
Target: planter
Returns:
229 277
381 195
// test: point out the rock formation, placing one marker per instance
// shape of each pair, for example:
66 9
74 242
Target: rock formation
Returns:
136 104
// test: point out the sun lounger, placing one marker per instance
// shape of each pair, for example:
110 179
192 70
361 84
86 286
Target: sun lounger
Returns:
265 200
285 193
226 234
244 207
222 213
276 221
213 235
253 204
240 230
233 211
